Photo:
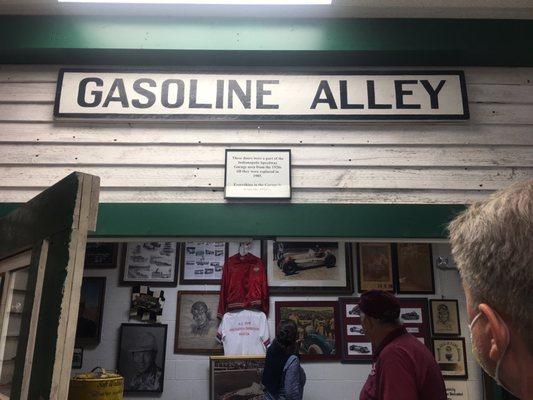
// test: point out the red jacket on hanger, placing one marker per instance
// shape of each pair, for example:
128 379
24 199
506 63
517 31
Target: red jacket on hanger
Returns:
244 284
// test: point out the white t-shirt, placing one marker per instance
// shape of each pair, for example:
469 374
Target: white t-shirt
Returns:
244 332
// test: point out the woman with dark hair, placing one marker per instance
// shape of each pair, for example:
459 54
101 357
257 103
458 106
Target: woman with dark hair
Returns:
283 377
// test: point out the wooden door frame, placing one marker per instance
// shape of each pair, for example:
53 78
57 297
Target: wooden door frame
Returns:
58 219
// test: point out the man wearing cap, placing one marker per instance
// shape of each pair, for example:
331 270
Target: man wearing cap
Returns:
143 353
402 368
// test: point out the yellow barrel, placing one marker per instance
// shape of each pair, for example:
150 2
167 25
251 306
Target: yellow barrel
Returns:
97 385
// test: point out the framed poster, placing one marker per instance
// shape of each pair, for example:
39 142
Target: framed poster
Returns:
257 174
374 269
296 267
197 323
150 264
141 359
414 316
202 262
90 314
356 347
236 378
450 354
77 358
456 390
318 327
101 255
445 317
415 268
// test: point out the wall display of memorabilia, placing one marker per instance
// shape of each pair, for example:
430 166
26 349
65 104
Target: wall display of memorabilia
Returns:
244 332
141 359
456 390
90 314
77 358
375 267
202 263
415 268
236 378
296 267
445 317
101 255
356 347
147 304
253 247
318 327
450 354
150 263
197 323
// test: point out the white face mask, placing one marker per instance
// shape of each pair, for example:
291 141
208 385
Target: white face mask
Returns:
477 355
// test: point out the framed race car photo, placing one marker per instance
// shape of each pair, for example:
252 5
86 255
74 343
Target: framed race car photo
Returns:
236 377
296 267
319 337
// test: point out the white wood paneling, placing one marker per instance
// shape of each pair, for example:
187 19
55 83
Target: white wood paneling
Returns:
395 162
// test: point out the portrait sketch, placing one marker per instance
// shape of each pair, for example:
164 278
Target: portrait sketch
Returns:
445 317
89 327
375 267
197 323
142 357
236 378
415 268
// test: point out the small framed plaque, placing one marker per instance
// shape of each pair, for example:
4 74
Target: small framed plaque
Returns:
257 174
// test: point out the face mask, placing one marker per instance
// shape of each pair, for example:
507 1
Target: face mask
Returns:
477 356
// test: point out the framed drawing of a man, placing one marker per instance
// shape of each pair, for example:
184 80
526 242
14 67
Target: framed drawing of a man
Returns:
197 323
141 358
445 316
375 267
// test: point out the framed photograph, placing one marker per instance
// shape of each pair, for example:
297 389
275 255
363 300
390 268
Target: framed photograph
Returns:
445 317
141 359
77 358
374 269
318 327
456 390
147 304
197 323
450 354
101 255
253 247
90 314
296 267
150 264
415 268
236 378
202 262
414 316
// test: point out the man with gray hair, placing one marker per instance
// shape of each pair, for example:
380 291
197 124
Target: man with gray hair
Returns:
492 244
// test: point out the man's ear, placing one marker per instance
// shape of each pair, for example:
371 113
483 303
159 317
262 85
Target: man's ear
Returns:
497 331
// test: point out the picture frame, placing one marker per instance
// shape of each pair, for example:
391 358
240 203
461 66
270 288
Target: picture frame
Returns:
202 262
450 354
445 318
305 267
141 358
318 327
229 375
77 358
414 316
456 390
147 304
197 323
414 268
375 267
91 310
101 255
150 264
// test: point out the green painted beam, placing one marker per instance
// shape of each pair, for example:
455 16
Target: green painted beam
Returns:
208 41
266 220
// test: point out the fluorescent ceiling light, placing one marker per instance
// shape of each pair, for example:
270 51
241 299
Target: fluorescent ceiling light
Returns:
222 2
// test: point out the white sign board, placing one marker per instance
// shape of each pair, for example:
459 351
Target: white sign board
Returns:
456 390
259 174
166 95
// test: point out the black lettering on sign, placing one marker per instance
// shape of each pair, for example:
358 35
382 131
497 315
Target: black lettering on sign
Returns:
220 94
97 94
193 96
180 95
262 92
117 86
245 98
433 93
323 88
150 97
371 90
344 98
401 92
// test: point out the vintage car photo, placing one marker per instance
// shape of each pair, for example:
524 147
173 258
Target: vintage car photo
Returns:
292 257
359 348
236 378
355 330
411 315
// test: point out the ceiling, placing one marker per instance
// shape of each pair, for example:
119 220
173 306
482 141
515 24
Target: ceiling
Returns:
489 9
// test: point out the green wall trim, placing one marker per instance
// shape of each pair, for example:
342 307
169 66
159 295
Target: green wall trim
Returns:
267 220
233 41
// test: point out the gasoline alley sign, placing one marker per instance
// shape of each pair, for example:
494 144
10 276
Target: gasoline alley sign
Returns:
166 95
